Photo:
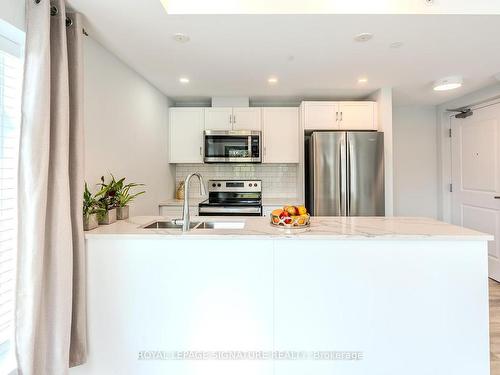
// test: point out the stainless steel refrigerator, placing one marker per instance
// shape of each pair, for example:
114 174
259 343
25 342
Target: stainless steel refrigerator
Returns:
345 173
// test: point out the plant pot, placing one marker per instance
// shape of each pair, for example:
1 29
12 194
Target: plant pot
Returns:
109 217
122 213
90 222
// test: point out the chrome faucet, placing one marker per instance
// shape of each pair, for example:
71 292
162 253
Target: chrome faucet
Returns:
185 208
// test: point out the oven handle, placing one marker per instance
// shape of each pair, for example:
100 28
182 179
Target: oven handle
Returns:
223 209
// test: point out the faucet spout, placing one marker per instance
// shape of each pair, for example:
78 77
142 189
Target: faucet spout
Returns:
186 219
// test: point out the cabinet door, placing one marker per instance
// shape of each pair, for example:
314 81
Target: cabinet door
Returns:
321 115
179 296
218 118
186 135
247 119
357 115
280 135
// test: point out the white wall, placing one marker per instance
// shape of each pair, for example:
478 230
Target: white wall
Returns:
126 123
415 161
383 97
12 11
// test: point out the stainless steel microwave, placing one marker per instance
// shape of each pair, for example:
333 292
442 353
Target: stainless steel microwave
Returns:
232 146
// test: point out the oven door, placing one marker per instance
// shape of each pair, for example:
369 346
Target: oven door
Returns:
232 147
208 210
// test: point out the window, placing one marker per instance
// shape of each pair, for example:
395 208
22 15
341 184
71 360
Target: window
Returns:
11 70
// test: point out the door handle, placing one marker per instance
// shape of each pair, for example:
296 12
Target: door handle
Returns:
497 197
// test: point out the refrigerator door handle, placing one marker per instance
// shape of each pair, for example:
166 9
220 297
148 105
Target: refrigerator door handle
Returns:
343 177
348 177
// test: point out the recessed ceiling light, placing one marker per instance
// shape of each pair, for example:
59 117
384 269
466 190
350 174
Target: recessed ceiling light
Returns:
272 80
362 80
181 38
396 45
184 80
363 37
448 83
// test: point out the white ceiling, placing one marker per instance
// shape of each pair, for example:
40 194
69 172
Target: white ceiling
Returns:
233 55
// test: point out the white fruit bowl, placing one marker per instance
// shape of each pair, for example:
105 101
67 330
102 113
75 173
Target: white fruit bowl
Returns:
301 221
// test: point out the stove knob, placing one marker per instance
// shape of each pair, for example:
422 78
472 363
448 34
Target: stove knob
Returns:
218 185
250 185
255 185
213 185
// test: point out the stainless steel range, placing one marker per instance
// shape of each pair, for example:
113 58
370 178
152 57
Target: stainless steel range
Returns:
232 198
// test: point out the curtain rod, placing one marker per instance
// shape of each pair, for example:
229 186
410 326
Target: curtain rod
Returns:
54 11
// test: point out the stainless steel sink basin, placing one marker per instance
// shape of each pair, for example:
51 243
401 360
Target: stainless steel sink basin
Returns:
165 224
221 225
168 225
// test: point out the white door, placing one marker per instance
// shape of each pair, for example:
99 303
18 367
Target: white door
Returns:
246 119
218 118
476 177
357 115
186 135
280 131
321 115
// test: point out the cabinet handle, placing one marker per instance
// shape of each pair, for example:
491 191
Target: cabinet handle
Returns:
201 153
337 116
234 119
497 197
340 116
230 119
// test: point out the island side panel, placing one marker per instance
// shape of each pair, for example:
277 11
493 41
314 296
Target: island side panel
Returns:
411 307
176 295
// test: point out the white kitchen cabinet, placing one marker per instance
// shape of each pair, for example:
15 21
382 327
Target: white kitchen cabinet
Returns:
218 118
179 296
280 132
244 118
186 135
321 115
357 116
247 118
345 115
175 212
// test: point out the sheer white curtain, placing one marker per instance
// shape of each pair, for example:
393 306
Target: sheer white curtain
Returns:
50 305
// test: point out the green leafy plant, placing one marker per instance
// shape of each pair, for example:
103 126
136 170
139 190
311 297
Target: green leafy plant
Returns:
90 204
107 195
124 196
116 193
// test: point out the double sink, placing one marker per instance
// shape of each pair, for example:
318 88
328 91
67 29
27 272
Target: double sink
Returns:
166 224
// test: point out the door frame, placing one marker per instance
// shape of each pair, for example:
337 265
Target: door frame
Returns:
445 152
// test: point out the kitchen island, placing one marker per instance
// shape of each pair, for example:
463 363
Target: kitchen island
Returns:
351 295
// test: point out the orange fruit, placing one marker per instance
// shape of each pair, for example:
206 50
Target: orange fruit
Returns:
302 210
277 212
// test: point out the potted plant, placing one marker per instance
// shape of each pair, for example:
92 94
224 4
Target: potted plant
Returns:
106 201
90 210
124 197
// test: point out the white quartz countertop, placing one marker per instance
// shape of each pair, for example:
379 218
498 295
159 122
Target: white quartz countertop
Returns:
265 202
330 228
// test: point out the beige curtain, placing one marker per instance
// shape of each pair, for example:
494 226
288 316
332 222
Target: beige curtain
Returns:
50 306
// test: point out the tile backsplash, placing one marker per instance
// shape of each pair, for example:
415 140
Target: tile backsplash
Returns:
278 180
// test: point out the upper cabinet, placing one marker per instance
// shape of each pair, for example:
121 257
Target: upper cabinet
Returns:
357 115
321 115
280 132
219 118
247 118
347 115
186 135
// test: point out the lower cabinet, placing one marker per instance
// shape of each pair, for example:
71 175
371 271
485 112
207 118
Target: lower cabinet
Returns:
170 296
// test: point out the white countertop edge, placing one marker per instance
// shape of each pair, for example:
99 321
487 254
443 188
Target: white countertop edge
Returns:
322 228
